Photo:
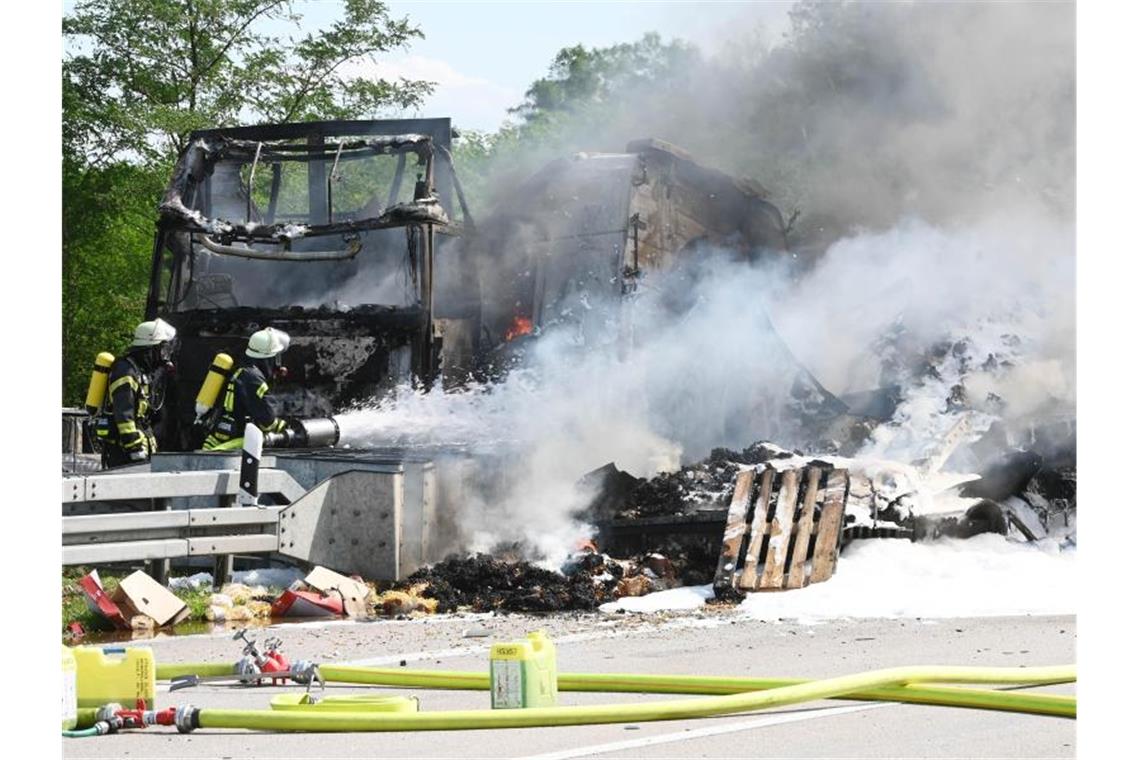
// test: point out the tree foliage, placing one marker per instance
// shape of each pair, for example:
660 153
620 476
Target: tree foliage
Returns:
142 74
574 107
138 77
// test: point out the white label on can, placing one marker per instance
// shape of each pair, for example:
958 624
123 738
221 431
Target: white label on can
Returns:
69 699
506 684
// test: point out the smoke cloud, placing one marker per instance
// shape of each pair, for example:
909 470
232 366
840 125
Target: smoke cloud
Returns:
930 150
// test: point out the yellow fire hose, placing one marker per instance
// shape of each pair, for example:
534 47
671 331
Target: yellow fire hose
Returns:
735 695
1063 705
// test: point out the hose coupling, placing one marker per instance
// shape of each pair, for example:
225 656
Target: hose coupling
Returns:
186 718
108 711
302 671
247 666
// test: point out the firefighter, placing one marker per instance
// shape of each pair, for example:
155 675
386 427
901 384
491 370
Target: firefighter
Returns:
246 394
125 425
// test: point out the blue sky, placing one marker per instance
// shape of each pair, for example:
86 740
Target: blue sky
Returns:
485 54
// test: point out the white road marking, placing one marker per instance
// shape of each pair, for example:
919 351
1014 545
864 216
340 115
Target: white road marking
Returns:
697 733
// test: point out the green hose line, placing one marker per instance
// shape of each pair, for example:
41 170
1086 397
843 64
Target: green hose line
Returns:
80 733
1062 705
164 672
85 717
700 707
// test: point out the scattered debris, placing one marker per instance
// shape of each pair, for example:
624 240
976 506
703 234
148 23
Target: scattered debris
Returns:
483 583
353 592
98 601
704 485
296 602
139 602
394 602
783 528
324 593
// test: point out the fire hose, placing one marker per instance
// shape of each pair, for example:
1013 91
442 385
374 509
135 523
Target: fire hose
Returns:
731 695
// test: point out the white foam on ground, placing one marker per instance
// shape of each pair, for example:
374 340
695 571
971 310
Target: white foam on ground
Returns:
684 598
982 576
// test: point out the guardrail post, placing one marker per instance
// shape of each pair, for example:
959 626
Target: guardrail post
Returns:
250 462
223 570
159 569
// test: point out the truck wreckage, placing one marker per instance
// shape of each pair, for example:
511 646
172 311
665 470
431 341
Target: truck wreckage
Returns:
319 229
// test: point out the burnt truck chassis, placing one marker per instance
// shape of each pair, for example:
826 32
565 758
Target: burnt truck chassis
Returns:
338 355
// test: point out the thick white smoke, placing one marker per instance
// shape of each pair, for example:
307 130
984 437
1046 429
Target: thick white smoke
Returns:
945 129
668 386
717 375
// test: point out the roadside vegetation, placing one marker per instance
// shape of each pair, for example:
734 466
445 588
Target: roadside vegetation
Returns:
75 609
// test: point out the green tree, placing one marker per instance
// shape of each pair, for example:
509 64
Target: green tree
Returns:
138 77
590 98
145 73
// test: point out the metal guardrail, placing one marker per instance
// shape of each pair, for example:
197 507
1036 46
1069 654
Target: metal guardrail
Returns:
367 520
169 485
94 539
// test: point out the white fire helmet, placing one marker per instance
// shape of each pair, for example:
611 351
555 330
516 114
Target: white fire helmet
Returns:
153 333
267 343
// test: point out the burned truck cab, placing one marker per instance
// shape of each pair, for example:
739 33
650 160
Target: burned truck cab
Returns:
326 230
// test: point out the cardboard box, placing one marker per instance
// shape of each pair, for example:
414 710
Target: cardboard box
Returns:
354 593
139 594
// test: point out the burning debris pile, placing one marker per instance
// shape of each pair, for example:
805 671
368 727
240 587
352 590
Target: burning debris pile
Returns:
703 485
483 583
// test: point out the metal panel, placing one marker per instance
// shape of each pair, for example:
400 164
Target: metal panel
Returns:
123 551
124 522
253 542
74 489
349 523
412 518
278 481
208 518
161 485
181 461
173 519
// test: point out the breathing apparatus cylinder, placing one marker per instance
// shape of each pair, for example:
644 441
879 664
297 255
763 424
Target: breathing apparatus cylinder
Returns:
97 387
212 385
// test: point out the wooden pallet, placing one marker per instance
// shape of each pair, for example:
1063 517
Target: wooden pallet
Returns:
783 528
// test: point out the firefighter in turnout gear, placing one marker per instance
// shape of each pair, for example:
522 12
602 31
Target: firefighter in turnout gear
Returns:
246 395
124 425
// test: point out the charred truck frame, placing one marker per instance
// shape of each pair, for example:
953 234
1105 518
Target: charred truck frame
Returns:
590 226
316 229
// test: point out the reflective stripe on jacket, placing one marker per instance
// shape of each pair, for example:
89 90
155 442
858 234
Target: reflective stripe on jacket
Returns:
245 400
125 420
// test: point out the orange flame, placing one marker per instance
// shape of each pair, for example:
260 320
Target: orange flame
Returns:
520 326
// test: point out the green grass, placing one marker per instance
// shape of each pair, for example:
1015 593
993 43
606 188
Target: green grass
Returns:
75 608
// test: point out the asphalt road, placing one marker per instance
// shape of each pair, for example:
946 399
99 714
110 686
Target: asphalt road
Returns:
707 643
